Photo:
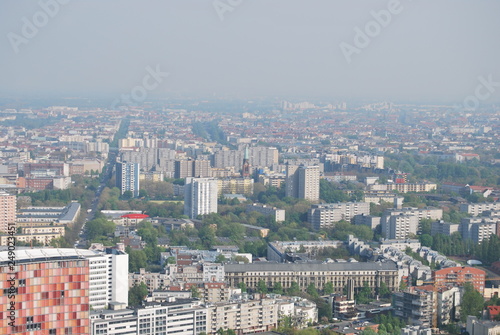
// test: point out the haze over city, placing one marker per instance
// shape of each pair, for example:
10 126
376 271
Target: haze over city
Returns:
429 51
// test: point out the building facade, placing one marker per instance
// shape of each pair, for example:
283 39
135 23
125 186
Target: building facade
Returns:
302 182
127 177
311 273
50 294
200 197
7 211
326 215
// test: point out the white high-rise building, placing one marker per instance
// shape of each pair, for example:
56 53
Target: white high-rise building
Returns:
200 196
127 177
108 278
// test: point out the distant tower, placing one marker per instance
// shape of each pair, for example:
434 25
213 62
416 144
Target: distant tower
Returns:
127 177
245 170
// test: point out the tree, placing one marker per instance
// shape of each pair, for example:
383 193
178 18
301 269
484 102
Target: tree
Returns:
242 286
99 228
294 289
328 288
278 288
311 290
207 236
137 294
472 303
426 240
262 287
364 295
220 258
194 291
384 291
137 259
241 259
127 195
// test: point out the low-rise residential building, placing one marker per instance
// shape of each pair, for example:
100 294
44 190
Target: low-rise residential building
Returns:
277 214
153 280
326 215
244 316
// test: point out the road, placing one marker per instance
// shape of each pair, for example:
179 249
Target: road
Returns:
82 242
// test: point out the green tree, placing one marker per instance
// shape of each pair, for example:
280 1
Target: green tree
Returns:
278 288
472 303
328 288
364 296
220 258
137 294
311 290
294 289
207 236
384 291
262 287
195 293
137 259
242 286
99 228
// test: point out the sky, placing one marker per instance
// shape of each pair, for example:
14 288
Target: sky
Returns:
406 50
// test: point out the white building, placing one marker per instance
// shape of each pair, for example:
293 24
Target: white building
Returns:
108 278
177 316
477 209
200 197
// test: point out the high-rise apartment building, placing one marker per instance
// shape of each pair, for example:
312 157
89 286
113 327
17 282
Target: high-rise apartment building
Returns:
302 182
192 168
108 278
7 211
50 292
200 196
127 177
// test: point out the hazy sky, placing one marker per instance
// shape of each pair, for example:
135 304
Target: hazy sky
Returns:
431 50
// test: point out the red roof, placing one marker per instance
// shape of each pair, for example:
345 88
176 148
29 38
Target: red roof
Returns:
493 311
135 216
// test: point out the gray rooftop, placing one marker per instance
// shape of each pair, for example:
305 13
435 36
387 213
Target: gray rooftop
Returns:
296 267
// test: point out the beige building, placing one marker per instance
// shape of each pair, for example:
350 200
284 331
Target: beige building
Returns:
44 238
7 211
153 280
326 215
272 180
235 186
302 182
243 316
312 273
404 187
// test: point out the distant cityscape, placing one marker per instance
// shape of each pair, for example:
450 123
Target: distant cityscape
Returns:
272 217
